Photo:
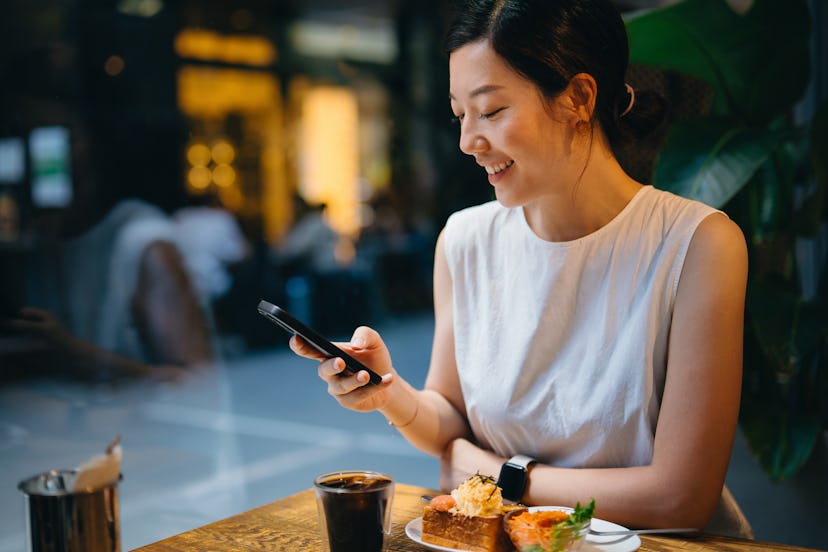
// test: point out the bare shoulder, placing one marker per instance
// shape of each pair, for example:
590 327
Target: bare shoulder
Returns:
441 238
441 270
716 260
718 240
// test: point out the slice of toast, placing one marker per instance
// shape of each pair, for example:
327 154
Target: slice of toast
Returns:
473 533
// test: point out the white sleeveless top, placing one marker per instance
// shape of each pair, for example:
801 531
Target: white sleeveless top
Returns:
561 347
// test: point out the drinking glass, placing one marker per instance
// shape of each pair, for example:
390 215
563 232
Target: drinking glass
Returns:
354 509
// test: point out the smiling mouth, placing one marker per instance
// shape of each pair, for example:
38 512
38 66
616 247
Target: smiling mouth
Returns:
494 169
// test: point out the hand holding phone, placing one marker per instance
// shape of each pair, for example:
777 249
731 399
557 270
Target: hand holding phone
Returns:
283 319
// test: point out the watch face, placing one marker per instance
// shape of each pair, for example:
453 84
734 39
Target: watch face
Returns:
512 481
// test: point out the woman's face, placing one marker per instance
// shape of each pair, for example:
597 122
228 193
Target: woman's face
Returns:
522 140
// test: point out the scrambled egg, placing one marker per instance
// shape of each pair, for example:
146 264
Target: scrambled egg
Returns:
478 496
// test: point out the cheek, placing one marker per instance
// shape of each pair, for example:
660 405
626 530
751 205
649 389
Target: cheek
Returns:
518 139
552 142
534 133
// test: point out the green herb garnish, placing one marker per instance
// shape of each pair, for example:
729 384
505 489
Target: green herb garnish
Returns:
567 530
581 513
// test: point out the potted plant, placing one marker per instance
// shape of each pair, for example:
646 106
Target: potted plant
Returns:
751 158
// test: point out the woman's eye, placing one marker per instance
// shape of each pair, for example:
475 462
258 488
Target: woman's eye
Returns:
456 119
491 114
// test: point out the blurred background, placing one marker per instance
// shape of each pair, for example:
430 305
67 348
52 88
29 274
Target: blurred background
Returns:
298 151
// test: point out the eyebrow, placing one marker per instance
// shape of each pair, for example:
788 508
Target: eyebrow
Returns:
485 89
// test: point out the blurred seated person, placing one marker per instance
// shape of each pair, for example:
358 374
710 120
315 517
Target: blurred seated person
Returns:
212 241
108 293
386 220
310 245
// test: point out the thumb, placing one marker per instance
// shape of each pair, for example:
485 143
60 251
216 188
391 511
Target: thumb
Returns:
365 338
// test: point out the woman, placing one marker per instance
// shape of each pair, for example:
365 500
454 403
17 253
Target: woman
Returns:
583 319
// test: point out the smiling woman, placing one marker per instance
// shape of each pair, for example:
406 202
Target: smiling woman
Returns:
580 351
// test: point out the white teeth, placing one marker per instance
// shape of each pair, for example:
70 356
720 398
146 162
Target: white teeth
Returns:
494 169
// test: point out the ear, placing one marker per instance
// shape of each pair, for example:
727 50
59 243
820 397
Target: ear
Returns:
580 95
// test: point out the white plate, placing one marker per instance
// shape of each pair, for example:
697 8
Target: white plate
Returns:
414 530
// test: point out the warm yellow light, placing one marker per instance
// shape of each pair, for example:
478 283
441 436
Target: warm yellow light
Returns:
210 46
224 175
232 198
207 92
223 152
329 157
198 155
208 95
198 178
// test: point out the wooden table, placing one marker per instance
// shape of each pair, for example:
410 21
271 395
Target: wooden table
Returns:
290 525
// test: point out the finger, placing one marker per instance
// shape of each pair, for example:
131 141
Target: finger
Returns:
345 383
301 348
359 398
362 377
331 368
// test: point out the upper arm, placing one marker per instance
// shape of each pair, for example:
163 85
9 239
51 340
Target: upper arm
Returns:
700 405
442 374
167 310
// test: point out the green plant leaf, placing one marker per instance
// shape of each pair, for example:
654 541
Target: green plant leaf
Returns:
711 160
758 66
782 401
757 63
774 185
771 311
781 444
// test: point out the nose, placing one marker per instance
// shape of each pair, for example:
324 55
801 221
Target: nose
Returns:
471 140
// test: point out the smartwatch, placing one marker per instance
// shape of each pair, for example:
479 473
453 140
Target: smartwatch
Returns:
513 476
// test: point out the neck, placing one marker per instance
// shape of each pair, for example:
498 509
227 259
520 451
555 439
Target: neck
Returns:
597 197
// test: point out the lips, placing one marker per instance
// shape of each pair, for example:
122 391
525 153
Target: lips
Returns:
494 169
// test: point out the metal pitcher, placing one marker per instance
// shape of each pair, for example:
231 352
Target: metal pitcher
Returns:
61 519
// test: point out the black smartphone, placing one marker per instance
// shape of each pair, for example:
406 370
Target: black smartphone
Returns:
282 318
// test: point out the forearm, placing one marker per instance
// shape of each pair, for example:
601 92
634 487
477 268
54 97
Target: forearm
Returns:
643 496
666 493
424 417
91 362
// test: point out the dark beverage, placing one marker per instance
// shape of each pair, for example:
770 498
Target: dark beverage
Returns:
355 509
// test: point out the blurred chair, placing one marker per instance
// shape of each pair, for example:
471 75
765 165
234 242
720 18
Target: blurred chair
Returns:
728 519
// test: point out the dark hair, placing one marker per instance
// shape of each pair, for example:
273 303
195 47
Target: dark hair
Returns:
550 41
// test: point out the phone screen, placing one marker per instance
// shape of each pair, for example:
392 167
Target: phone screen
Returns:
283 319
51 172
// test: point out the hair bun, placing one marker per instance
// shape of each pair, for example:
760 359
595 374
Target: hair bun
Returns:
645 112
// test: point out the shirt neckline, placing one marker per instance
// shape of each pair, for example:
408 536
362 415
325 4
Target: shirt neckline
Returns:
622 214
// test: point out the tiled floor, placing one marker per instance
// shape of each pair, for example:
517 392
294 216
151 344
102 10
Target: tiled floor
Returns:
261 429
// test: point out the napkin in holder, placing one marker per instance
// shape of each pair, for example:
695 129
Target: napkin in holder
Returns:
99 471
